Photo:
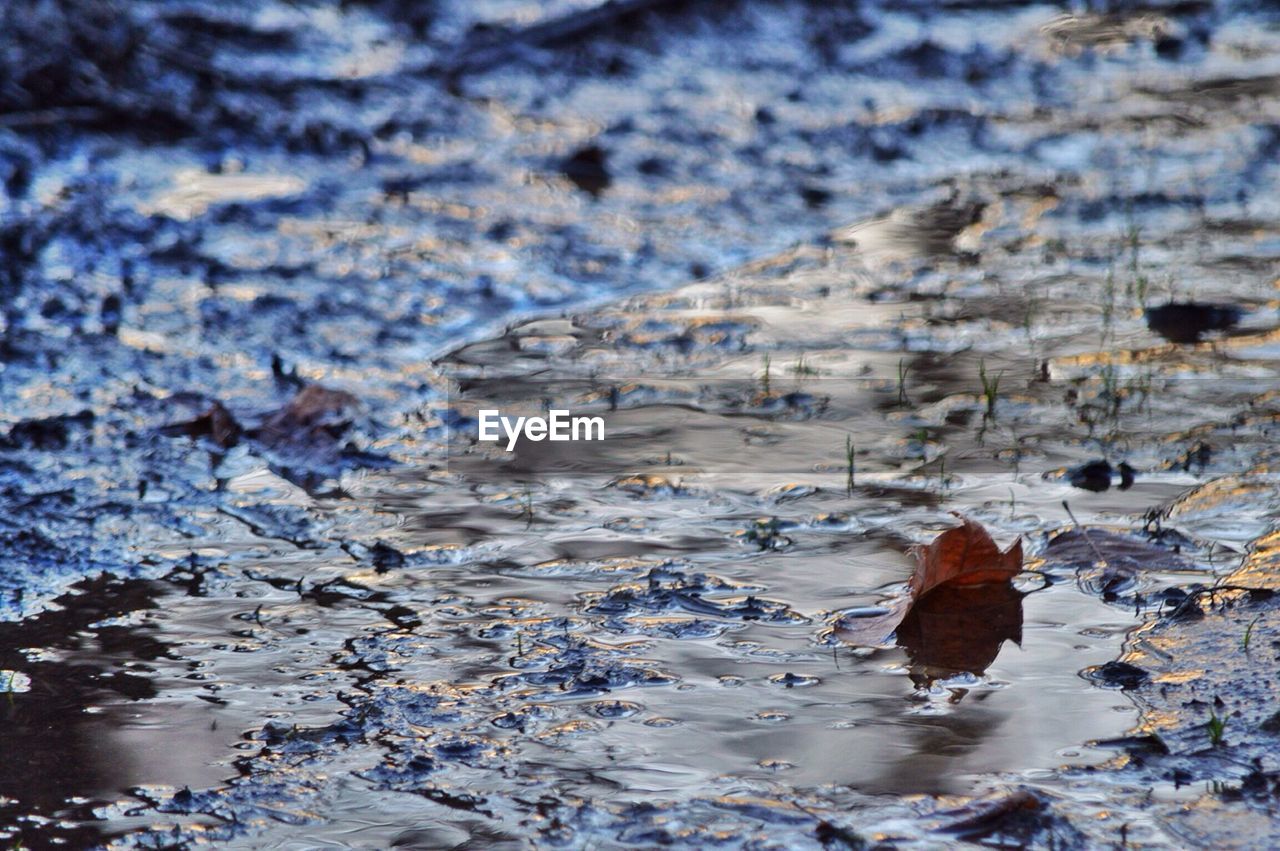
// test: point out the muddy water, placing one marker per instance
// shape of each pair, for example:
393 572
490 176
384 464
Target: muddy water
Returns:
993 251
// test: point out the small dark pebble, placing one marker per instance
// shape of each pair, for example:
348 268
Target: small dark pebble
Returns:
1126 475
814 196
385 557
1256 783
834 836
1094 476
653 167
110 314
1169 47
1118 675
587 169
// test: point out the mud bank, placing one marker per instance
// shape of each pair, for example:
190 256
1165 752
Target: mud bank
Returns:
831 276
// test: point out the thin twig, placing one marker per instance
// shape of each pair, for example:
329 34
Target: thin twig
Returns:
1097 552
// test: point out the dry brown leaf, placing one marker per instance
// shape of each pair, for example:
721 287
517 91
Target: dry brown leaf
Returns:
965 555
316 415
959 558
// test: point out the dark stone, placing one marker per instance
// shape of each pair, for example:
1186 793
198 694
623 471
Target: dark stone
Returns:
1126 476
1169 47
814 196
587 168
1094 476
1119 675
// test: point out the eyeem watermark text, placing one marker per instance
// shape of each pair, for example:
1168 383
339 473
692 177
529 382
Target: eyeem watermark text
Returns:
556 426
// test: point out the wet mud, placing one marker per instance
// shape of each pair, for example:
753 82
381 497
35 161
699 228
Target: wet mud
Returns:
827 275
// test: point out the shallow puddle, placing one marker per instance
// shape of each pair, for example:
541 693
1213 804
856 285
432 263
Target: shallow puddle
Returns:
828 277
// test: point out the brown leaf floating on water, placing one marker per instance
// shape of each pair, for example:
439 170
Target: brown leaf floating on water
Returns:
965 555
961 558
